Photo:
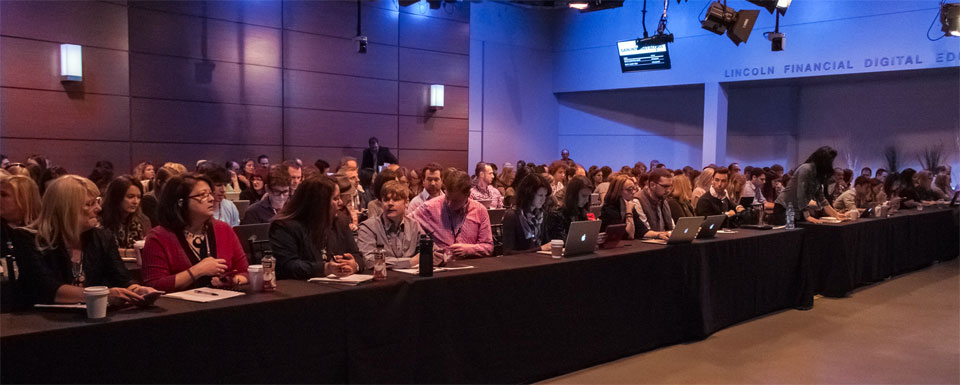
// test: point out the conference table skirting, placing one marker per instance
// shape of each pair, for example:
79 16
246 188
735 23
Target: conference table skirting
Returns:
854 254
518 318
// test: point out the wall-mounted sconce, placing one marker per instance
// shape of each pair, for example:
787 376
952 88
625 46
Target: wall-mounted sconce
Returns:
436 97
71 63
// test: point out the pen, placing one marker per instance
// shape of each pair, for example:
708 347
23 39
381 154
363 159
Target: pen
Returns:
206 292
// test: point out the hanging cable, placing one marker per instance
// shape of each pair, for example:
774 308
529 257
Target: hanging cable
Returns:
643 18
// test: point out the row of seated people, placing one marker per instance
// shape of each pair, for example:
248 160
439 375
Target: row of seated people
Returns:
67 240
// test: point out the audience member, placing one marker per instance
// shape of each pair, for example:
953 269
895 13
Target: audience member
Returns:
322 166
941 186
150 201
307 237
654 210
190 248
924 186
619 207
523 224
459 225
345 209
19 206
264 162
295 171
392 231
375 206
70 252
257 189
223 209
681 198
432 186
101 175
716 201
144 173
702 184
121 214
573 208
482 190
279 186
49 175
849 199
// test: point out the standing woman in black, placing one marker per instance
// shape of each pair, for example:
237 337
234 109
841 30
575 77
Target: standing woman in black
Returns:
805 189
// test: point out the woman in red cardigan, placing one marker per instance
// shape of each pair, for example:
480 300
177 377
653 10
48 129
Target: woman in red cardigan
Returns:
190 248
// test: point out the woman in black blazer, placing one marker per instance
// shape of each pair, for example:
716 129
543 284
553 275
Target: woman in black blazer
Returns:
523 225
308 239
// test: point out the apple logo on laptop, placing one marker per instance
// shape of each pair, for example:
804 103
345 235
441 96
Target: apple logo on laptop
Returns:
583 238
686 231
711 227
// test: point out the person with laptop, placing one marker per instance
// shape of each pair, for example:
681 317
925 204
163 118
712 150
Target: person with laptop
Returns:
483 190
573 208
459 225
278 186
432 186
654 210
715 200
754 188
619 207
523 225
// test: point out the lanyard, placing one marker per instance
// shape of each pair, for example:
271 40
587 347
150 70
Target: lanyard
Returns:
455 231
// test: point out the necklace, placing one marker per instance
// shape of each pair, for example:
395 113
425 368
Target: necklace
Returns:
76 269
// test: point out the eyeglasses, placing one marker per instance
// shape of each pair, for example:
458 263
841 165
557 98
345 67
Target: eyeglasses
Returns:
632 189
279 193
665 186
93 202
202 196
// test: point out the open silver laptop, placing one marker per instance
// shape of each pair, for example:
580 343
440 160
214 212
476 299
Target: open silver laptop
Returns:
581 239
710 226
684 232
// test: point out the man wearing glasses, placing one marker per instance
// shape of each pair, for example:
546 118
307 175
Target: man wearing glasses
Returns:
655 212
278 184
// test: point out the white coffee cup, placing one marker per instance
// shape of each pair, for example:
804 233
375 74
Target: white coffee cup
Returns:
138 245
96 298
256 278
556 248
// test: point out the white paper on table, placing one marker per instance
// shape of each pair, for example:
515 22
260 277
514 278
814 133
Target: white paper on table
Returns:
61 306
353 279
726 232
416 269
205 294
779 227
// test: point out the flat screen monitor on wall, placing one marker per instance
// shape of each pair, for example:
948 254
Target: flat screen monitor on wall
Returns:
636 57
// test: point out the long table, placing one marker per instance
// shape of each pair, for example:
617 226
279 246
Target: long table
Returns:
518 318
849 255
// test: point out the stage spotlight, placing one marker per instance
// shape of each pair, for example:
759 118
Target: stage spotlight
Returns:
738 25
950 19
581 5
773 5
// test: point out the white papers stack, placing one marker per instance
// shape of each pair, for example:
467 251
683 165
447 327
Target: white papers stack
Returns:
204 294
415 270
61 306
351 280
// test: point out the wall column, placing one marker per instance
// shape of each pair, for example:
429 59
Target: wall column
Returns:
714 123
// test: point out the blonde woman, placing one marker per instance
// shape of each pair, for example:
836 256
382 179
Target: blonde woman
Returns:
71 253
702 184
735 188
19 200
681 198
19 205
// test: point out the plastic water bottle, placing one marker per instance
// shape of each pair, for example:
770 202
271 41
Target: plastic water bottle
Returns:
269 264
379 264
790 215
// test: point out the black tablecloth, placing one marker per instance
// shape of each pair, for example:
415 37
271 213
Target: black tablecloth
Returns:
853 254
518 318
